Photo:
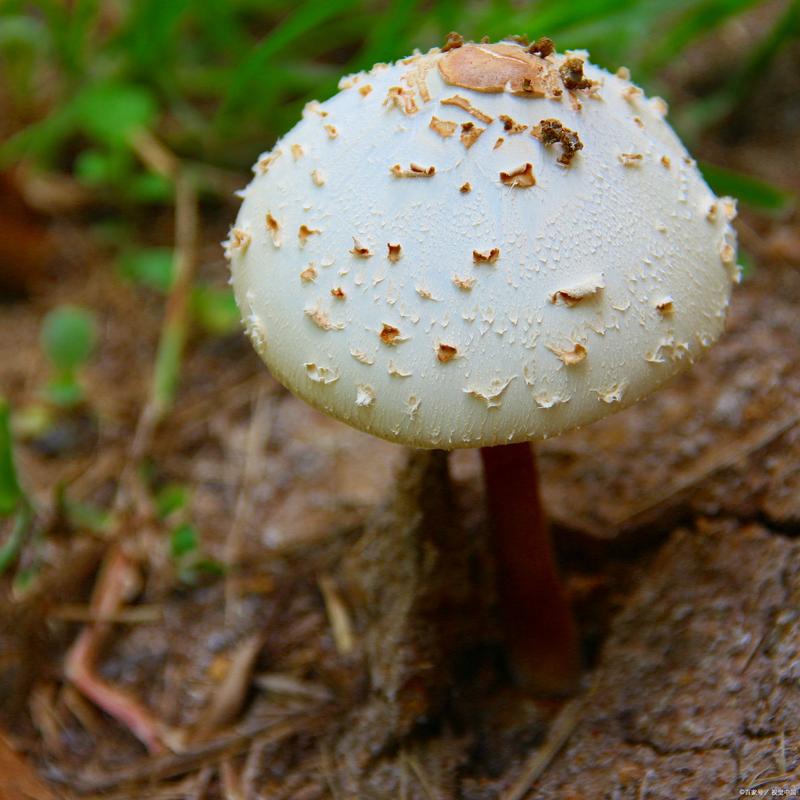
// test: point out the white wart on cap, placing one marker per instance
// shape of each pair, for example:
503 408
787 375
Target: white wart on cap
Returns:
481 246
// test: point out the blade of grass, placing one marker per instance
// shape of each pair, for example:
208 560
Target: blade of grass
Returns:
750 191
166 373
386 39
10 490
695 21
744 80
309 16
11 548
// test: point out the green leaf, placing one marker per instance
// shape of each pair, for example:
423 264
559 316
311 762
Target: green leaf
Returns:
748 190
111 112
64 391
254 68
10 490
171 498
148 187
166 372
68 337
95 168
215 310
82 516
183 540
11 548
152 267
24 580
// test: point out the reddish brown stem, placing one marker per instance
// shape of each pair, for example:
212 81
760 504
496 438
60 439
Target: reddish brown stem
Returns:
540 627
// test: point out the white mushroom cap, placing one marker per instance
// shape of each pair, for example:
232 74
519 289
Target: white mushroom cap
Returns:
413 260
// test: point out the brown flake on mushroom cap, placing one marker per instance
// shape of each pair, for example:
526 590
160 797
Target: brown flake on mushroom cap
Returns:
571 71
502 67
444 127
510 125
630 263
413 171
543 47
466 105
522 177
470 133
486 256
446 352
552 131
303 232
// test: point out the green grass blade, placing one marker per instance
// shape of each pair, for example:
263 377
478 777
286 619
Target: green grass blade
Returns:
309 16
748 190
10 490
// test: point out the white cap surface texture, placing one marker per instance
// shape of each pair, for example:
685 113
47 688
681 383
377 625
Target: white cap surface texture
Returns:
459 250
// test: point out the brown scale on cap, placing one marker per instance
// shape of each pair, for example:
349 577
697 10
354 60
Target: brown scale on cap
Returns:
574 355
413 171
571 72
362 357
666 162
453 41
499 68
318 316
394 251
403 99
470 133
332 130
486 256
519 178
552 131
309 274
443 127
338 293
511 126
315 107
318 177
665 307
446 352
632 93
365 89
274 228
631 159
390 335
238 240
297 151
263 164
360 249
465 188
582 290
303 232
464 104
465 284
542 47
498 143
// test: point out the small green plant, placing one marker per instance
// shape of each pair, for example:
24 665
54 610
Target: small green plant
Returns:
188 557
16 511
213 309
191 564
68 340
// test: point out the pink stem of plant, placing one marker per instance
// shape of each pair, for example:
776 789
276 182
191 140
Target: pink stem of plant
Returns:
540 627
115 581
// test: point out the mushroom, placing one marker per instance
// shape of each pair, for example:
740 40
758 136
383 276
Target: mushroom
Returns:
613 278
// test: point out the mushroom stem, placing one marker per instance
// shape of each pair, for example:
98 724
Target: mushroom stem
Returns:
540 627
